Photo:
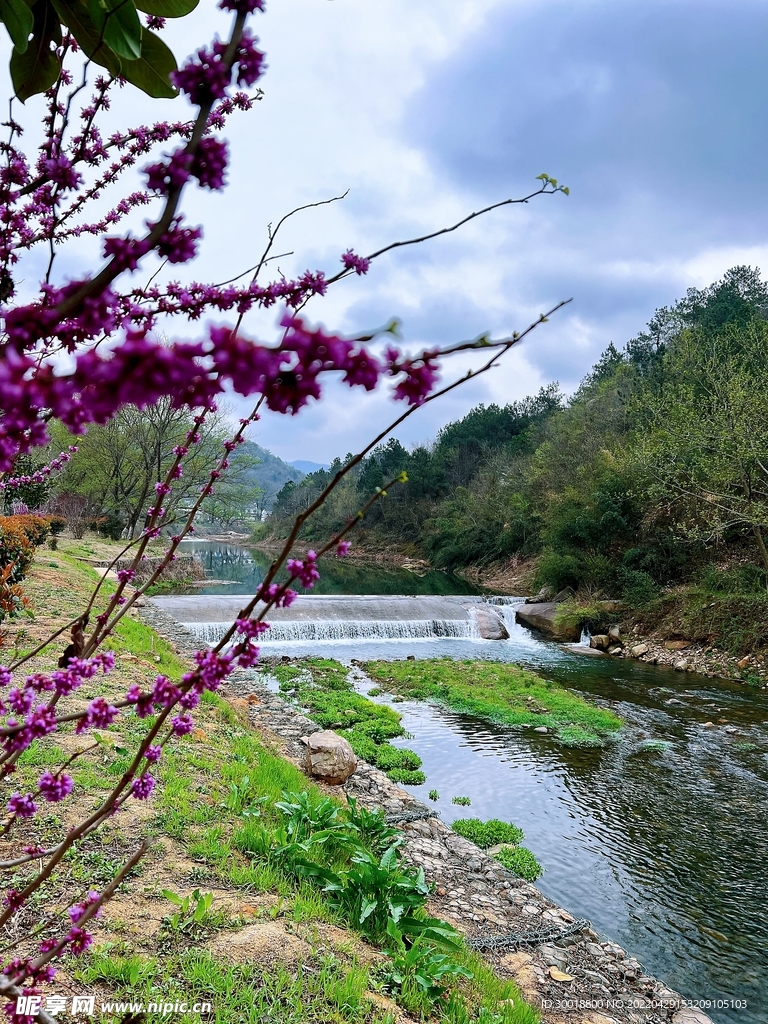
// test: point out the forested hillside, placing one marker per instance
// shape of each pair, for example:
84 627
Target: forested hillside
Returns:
654 473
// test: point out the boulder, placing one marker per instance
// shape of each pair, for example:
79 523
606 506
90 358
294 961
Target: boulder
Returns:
614 632
541 615
544 595
329 757
676 645
681 666
564 595
600 641
490 623
639 650
615 649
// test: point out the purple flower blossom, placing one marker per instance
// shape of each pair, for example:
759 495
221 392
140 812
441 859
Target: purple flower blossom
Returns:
79 940
352 261
165 694
178 244
182 724
142 787
77 911
22 805
210 163
306 572
204 77
242 6
126 575
143 701
343 548
55 787
251 627
153 754
100 714
250 60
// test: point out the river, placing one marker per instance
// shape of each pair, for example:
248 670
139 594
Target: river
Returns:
660 839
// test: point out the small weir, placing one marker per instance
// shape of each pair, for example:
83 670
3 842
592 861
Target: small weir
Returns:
361 629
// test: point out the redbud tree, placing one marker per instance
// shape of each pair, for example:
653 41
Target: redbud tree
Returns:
79 350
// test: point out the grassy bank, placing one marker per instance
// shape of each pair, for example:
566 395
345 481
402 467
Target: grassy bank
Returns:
225 908
501 693
323 687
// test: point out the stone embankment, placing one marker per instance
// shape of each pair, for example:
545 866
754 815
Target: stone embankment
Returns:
560 963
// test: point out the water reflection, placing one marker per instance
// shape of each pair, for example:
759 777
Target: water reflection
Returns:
244 568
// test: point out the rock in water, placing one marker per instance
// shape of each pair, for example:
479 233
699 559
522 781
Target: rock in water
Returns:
490 624
329 757
601 641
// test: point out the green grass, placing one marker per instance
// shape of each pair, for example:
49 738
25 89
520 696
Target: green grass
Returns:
488 833
520 861
323 687
501 693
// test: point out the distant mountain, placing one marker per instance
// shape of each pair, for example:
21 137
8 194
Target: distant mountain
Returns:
309 467
270 473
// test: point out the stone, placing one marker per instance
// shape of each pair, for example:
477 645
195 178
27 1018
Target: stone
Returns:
614 632
490 624
691 1015
744 663
681 666
676 645
615 650
541 616
541 728
544 595
329 757
600 641
564 595
639 650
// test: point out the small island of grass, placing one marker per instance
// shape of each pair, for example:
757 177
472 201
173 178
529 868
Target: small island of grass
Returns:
502 693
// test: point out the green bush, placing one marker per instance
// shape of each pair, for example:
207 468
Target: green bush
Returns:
557 571
488 833
520 861
638 588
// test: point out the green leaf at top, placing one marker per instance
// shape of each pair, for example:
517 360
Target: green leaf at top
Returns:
117 22
19 21
151 72
76 16
167 8
38 67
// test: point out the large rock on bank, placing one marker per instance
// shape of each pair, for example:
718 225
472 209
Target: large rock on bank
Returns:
329 757
542 616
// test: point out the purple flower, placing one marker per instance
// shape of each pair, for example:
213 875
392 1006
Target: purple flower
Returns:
305 571
343 548
250 60
12 899
6 676
125 251
251 627
247 655
242 6
178 244
205 78
153 754
23 806
182 724
162 177
79 940
210 163
155 22
143 701
165 694
78 909
126 575
54 787
142 787
100 714
59 169
354 262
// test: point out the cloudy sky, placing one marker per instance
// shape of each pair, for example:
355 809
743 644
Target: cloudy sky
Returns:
653 112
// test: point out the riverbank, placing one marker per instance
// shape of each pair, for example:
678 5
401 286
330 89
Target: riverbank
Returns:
559 962
213 913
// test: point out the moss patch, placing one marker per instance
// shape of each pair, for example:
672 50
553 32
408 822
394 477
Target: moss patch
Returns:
501 693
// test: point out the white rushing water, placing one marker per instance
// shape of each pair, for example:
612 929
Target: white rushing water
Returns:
362 629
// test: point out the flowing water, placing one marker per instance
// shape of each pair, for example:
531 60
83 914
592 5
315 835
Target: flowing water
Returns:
660 839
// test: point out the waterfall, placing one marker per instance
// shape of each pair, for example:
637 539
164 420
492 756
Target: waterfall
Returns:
290 632
504 600
585 637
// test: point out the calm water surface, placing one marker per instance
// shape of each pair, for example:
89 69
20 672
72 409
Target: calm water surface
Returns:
660 839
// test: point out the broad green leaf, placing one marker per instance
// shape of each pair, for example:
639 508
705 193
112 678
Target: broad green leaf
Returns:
36 69
19 21
167 8
75 15
151 73
118 24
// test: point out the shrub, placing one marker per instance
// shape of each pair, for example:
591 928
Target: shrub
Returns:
488 833
520 861
557 571
638 588
16 549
